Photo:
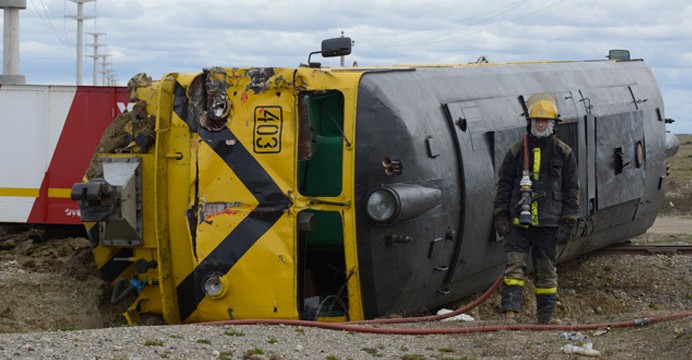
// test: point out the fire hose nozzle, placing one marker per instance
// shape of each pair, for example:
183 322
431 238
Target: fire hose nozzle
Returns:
525 188
525 217
525 185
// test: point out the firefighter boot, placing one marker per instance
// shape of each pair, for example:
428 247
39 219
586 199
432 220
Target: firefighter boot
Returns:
545 309
511 301
511 316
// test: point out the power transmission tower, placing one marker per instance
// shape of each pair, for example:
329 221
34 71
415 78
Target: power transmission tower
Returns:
104 69
112 80
95 54
80 17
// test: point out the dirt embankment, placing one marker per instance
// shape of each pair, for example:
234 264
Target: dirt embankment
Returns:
51 284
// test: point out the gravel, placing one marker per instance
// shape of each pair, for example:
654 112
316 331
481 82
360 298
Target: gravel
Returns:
287 342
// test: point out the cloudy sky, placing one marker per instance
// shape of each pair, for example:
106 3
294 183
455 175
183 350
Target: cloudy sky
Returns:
159 36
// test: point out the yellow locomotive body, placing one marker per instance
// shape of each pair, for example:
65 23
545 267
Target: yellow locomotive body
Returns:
239 182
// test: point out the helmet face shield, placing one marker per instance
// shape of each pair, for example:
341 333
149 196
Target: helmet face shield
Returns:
541 127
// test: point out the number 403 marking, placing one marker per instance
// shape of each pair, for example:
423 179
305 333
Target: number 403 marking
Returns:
267 135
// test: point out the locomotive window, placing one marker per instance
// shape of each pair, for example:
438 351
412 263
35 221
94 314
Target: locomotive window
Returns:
321 264
321 149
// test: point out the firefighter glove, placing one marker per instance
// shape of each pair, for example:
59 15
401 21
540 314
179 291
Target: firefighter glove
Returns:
565 231
502 224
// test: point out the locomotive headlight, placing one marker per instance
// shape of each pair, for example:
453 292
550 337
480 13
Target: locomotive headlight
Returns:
382 204
215 286
395 202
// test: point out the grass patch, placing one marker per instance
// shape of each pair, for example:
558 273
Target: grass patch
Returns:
226 355
203 341
153 343
234 333
372 351
681 163
253 351
412 357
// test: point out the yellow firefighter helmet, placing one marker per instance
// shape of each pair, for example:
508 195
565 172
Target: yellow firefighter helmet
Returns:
542 106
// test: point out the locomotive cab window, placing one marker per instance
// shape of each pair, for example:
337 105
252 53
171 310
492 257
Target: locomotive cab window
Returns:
320 139
322 291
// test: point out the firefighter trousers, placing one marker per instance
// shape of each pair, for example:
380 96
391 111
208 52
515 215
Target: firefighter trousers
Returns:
541 244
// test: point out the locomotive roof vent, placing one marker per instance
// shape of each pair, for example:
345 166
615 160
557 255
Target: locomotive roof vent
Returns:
619 55
339 46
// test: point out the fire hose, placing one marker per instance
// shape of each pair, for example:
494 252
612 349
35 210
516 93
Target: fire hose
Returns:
361 326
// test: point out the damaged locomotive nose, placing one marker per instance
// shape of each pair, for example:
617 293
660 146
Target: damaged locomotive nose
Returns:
218 109
209 101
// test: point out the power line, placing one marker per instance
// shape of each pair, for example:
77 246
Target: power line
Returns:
539 10
474 20
45 17
480 23
68 29
522 16
484 19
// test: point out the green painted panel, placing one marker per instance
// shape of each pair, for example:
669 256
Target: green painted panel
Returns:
321 175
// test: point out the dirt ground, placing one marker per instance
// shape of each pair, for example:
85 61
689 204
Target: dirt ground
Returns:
50 283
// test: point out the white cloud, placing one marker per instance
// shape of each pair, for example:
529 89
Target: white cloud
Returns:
160 36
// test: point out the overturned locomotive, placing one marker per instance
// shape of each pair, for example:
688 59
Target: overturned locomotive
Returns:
351 193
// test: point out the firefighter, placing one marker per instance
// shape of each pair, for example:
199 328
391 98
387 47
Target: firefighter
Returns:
536 209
